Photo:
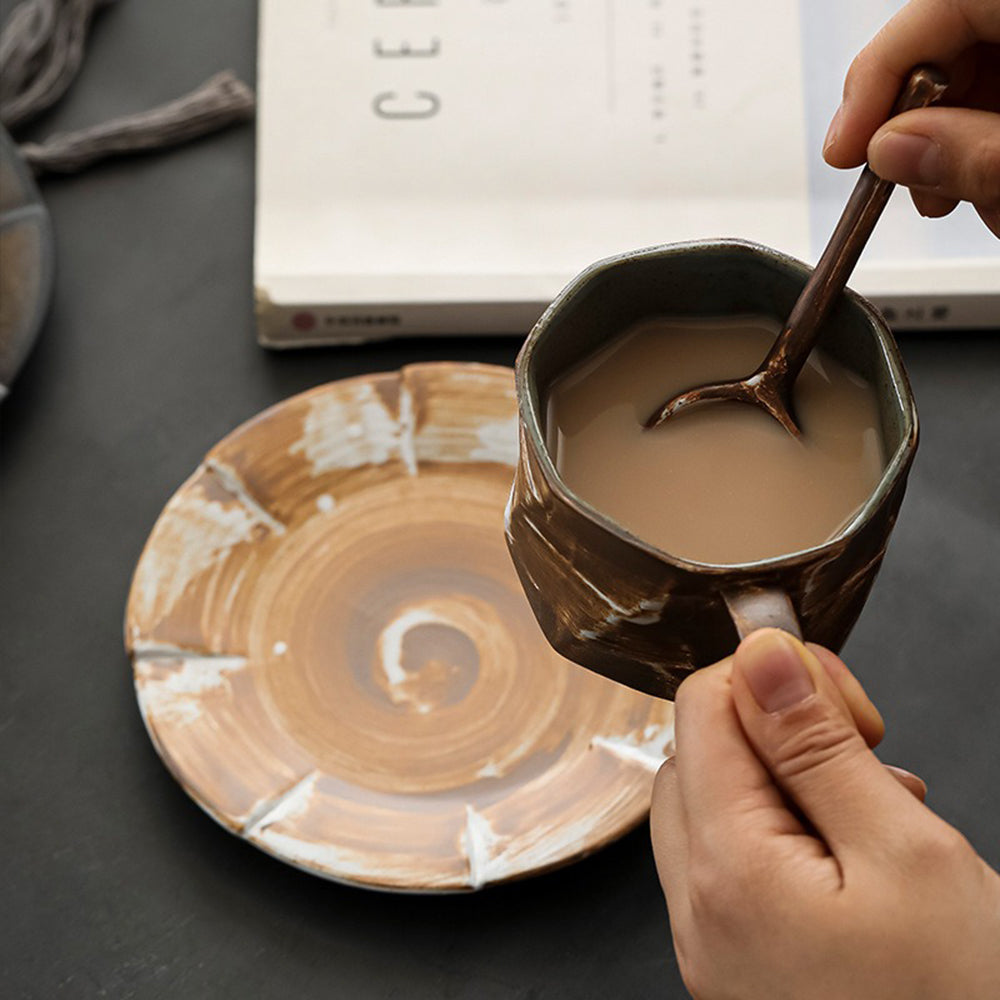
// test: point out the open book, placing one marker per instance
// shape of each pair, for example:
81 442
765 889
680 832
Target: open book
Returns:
436 166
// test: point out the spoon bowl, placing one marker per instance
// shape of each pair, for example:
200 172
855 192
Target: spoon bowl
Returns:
770 386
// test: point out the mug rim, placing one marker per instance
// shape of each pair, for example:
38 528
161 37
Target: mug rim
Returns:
902 392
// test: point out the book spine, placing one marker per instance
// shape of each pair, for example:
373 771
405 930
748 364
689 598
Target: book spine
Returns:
287 325
939 312
281 325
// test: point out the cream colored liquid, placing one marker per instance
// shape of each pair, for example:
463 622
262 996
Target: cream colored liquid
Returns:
723 482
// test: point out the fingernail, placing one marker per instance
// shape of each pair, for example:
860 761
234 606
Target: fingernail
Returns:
907 159
908 778
831 132
774 670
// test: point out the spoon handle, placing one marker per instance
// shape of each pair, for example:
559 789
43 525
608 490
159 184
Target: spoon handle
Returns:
789 352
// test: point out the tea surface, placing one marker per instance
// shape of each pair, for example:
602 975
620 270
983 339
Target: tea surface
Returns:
723 482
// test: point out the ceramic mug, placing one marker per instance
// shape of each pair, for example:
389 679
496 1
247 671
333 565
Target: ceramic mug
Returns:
624 608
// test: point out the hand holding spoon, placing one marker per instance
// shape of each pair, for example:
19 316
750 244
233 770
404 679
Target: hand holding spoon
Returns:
770 386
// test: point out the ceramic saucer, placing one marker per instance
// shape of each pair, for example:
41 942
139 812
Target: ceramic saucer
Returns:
333 656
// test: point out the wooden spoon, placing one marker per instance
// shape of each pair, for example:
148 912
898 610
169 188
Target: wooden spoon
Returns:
770 386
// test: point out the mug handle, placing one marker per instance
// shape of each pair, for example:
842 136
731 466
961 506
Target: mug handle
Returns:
752 608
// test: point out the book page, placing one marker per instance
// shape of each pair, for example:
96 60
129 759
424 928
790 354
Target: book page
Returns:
522 137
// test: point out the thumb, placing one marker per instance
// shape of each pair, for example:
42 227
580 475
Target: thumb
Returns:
950 153
793 717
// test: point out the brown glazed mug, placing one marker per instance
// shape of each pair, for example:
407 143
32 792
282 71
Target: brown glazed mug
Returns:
624 608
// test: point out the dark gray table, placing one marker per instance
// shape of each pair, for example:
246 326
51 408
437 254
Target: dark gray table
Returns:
115 884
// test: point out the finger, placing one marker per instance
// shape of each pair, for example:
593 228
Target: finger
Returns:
924 31
788 707
721 778
913 783
945 152
866 716
992 219
974 79
978 74
932 206
721 781
670 841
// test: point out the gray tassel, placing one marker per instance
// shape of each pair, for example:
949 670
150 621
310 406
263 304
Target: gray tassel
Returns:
41 50
218 102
